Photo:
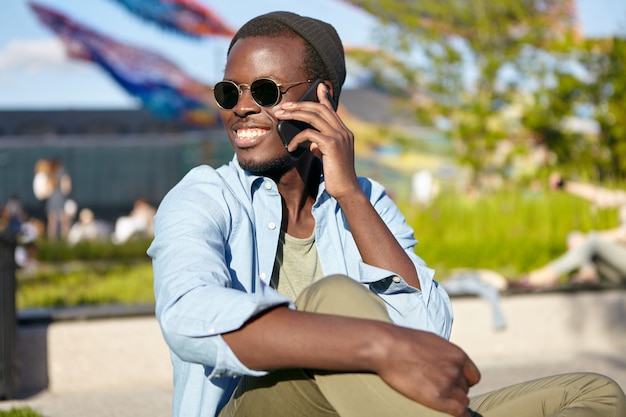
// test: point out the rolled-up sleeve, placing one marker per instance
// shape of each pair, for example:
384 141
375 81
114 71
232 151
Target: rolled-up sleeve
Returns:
200 293
428 308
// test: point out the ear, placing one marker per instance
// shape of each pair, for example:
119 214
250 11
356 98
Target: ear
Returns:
329 85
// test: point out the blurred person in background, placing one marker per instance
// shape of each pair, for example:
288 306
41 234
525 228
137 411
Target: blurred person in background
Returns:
60 186
139 223
42 186
88 228
590 257
15 221
13 215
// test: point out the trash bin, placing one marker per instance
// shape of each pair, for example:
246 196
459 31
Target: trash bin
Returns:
8 318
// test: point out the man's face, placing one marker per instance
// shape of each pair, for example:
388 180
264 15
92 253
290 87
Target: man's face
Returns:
250 127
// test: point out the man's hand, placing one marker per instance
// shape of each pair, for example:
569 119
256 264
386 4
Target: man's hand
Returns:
331 141
429 370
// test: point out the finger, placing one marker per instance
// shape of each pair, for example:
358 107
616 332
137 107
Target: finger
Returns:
307 137
314 114
326 99
471 372
463 384
323 95
457 403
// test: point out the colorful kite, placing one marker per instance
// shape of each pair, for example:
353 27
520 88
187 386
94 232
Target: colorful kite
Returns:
187 17
163 88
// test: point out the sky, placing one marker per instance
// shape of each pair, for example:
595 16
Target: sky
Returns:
36 74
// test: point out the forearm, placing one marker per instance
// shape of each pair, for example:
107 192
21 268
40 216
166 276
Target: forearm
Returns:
617 235
284 338
419 365
377 245
601 197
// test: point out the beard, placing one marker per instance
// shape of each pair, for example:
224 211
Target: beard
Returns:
273 168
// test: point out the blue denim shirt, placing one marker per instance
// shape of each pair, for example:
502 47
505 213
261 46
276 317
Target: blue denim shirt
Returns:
216 234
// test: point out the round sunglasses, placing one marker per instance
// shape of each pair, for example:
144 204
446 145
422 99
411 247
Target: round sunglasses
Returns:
265 92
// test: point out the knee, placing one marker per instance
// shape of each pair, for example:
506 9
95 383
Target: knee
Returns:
592 239
341 295
331 289
336 285
601 389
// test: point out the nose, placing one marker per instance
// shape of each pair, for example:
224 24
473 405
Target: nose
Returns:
246 103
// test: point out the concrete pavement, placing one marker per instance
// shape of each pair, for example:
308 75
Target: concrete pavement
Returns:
119 366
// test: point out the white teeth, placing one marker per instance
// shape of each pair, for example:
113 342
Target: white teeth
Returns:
250 133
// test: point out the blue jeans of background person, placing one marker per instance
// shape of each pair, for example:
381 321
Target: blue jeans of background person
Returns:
593 249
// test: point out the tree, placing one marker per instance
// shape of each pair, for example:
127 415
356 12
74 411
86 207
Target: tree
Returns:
468 65
605 60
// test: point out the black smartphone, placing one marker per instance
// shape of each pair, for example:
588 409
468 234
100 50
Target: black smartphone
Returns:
287 129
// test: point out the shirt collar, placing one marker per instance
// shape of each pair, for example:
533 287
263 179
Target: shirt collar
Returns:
253 181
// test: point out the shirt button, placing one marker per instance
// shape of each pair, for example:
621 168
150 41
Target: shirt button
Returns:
212 330
272 226
396 279
263 276
268 185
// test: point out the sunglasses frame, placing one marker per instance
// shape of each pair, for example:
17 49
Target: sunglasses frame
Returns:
241 86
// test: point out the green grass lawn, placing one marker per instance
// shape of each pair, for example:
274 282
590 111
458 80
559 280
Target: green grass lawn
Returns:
19 412
509 232
86 283
87 274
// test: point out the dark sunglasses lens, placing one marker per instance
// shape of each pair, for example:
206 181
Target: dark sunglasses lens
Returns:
265 92
226 94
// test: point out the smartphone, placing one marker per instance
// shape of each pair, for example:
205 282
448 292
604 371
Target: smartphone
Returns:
287 129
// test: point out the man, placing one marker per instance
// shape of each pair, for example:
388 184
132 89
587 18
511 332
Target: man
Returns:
367 340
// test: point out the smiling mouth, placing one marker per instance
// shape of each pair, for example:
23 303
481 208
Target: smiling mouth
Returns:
251 133
249 137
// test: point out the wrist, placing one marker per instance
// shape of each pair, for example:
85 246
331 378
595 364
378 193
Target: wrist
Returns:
378 349
351 196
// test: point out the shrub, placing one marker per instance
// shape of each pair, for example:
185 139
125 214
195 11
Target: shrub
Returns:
510 232
20 412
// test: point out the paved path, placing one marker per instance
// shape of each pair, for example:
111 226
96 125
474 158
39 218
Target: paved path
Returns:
127 402
119 367
156 402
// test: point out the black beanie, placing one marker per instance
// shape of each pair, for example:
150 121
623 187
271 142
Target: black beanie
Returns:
320 35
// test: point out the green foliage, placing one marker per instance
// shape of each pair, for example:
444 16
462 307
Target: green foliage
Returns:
505 71
62 251
76 284
510 232
19 412
605 60
88 273
93 283
435 45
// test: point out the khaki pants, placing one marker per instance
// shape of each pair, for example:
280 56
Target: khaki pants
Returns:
301 392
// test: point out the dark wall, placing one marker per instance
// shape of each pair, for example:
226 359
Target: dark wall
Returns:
53 122
109 172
